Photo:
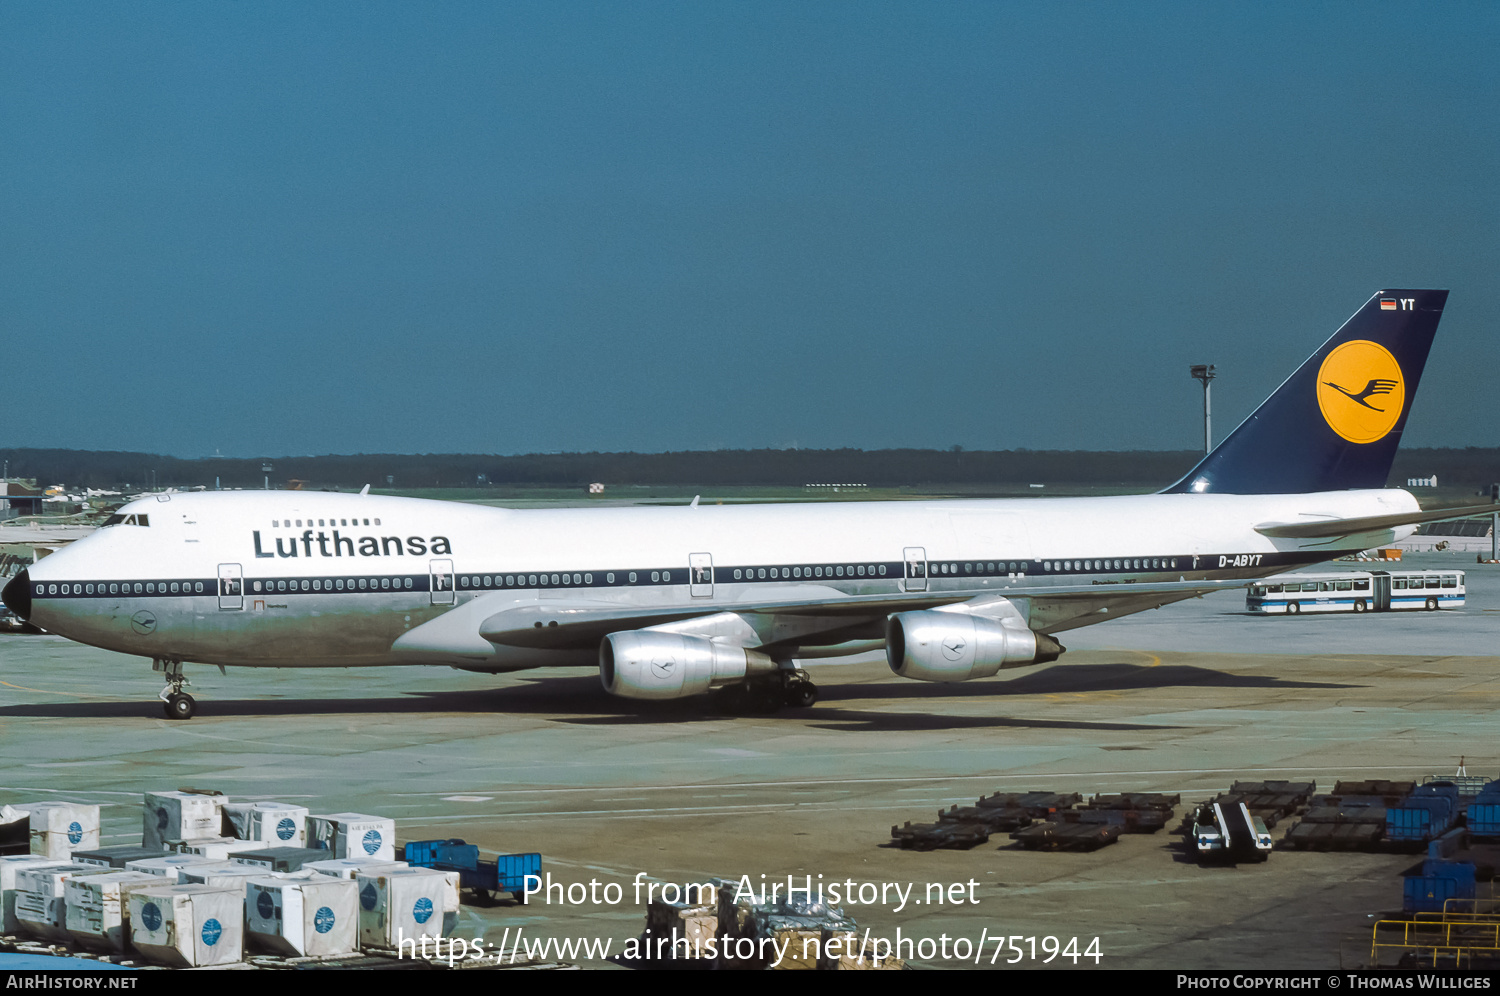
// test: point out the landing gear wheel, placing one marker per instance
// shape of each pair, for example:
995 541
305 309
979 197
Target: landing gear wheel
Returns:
1293 608
176 703
801 694
180 706
1359 605
1432 605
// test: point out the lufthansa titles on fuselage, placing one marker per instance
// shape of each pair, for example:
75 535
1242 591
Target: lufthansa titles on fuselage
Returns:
367 546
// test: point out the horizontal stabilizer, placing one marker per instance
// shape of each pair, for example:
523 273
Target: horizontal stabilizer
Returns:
1322 528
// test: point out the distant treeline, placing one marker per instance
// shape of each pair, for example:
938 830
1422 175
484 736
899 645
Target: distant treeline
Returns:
1473 467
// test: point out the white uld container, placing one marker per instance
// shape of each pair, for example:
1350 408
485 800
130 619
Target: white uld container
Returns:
188 925
451 886
220 874
353 835
279 824
402 906
40 903
169 867
317 915
9 865
218 848
60 828
95 913
350 867
170 816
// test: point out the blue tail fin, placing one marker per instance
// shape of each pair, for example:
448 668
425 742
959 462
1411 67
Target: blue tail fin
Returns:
1336 422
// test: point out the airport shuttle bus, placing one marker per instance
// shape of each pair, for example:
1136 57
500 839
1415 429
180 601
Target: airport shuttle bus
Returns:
1357 591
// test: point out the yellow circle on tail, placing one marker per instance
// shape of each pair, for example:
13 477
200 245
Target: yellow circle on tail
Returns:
1361 391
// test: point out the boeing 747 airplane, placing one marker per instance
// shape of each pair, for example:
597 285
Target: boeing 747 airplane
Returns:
672 602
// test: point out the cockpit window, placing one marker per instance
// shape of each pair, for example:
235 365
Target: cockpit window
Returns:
127 520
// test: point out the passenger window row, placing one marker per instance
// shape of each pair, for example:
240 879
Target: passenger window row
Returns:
496 581
122 588
332 584
1126 564
829 571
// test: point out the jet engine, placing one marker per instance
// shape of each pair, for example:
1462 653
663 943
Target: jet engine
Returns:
647 664
956 646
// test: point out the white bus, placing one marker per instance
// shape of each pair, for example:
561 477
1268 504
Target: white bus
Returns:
1357 591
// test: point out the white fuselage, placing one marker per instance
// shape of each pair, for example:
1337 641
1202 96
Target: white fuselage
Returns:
305 579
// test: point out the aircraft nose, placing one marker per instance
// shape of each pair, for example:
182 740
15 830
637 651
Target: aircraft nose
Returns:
17 595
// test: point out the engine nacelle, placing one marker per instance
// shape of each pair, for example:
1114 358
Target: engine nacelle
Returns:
956 646
648 664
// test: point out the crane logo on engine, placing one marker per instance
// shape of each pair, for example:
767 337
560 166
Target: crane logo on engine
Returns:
954 647
663 665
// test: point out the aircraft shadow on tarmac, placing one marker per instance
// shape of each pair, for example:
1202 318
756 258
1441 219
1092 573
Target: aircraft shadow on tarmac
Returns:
580 699
1075 678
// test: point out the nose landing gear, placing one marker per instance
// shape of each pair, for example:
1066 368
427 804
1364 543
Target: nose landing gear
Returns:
176 703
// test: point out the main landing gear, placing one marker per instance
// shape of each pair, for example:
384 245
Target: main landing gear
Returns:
764 693
176 703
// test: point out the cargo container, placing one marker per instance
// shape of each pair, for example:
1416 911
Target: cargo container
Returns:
40 903
117 857
1439 882
302 917
188 926
10 864
96 910
278 824
57 829
170 816
401 906
1428 812
353 835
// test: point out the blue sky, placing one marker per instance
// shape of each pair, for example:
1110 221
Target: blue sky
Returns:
280 228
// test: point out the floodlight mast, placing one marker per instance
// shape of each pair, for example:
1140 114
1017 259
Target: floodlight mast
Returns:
1204 373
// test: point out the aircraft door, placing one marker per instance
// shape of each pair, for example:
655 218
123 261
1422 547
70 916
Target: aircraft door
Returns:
231 587
916 568
701 574
441 577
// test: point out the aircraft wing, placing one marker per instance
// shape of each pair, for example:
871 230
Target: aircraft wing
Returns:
1334 527
809 609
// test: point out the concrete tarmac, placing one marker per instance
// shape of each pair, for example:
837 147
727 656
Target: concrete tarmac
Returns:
1185 699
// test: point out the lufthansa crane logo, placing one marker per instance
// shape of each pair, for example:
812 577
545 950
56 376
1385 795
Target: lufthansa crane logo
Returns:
1361 391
